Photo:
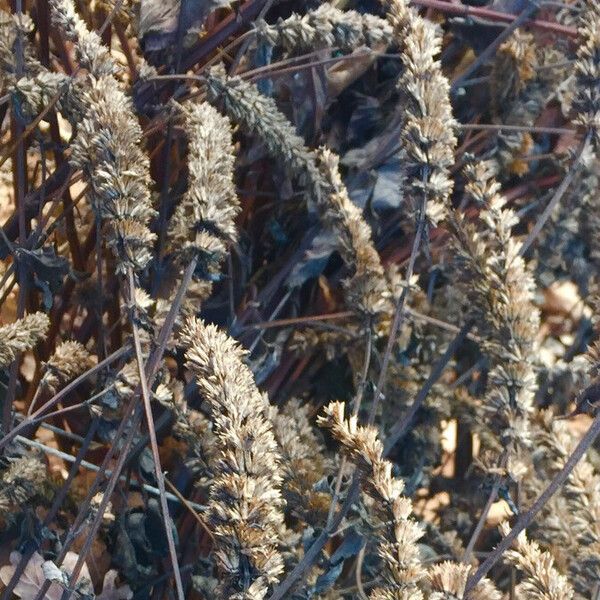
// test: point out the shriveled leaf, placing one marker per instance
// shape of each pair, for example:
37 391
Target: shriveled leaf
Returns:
315 259
45 268
37 571
110 591
160 19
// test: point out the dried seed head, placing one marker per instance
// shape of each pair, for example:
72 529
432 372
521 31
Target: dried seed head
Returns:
399 535
498 284
541 580
258 115
11 26
515 65
107 149
367 291
21 335
498 293
20 483
325 27
36 92
581 496
91 53
245 506
448 581
70 359
427 139
302 462
33 85
203 222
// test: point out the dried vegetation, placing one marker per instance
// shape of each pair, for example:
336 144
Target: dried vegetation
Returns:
299 300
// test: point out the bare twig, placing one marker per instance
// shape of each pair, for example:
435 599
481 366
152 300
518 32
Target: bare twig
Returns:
154 491
457 8
560 192
527 518
399 313
62 393
153 442
525 128
150 373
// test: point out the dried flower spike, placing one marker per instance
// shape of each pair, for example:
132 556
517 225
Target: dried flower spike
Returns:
541 579
203 222
325 27
427 137
367 290
245 505
91 52
303 462
498 292
11 27
107 149
21 335
69 360
258 115
586 102
399 534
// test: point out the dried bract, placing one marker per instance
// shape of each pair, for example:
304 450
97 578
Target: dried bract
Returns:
448 581
91 52
541 579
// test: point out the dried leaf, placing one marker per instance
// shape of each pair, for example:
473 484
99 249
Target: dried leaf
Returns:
161 19
37 571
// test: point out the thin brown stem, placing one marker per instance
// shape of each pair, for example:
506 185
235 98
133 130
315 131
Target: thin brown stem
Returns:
62 393
527 518
190 506
399 314
153 441
524 128
457 8
300 320
556 198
